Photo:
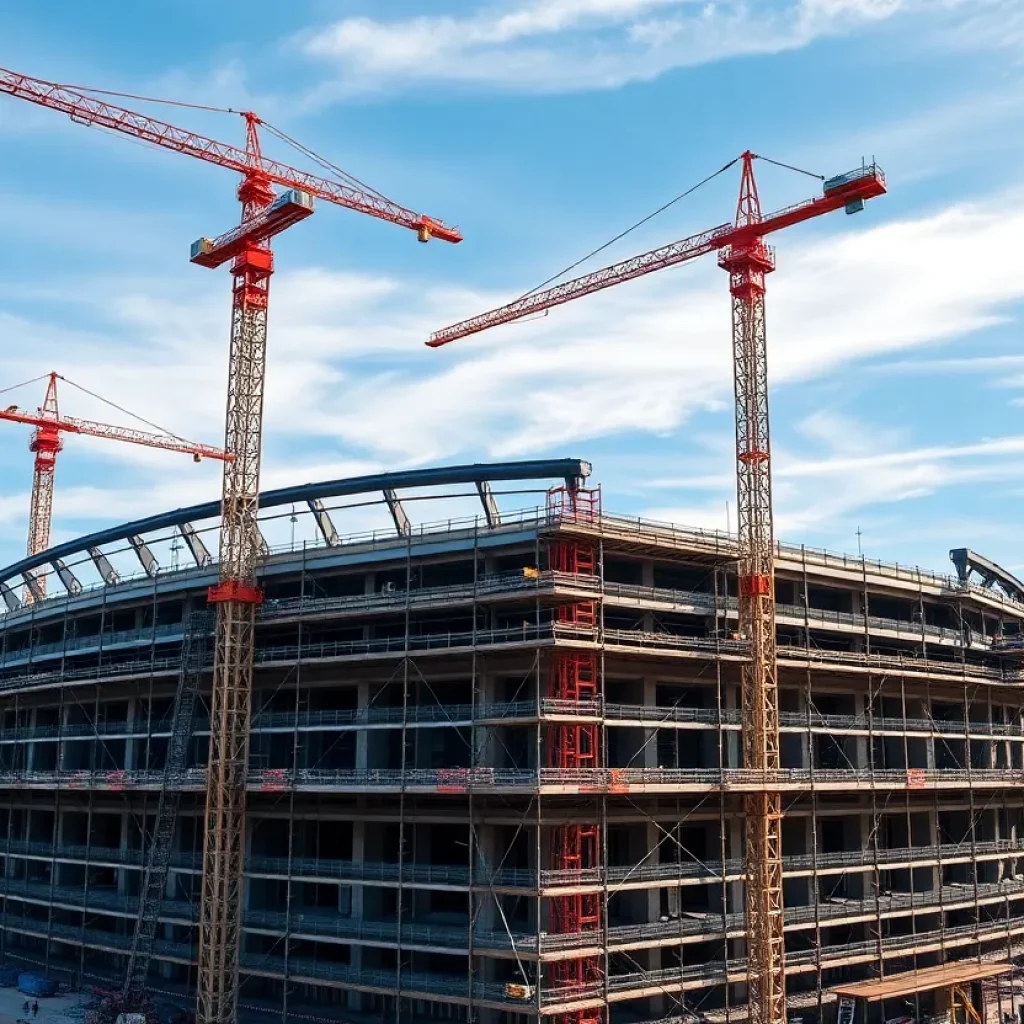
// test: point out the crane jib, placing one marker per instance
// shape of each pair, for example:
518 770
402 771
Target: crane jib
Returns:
91 112
843 191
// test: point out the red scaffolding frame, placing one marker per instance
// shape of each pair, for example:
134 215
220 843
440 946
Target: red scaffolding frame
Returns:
573 677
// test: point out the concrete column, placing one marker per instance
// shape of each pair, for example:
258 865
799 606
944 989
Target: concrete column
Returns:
647 580
733 847
933 831
358 855
356 999
732 737
861 754
58 840
922 709
30 759
486 858
650 699
62 743
122 881
362 736
857 607
866 842
489 751
651 840
129 743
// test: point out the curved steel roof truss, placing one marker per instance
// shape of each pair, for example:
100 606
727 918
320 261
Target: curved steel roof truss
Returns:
387 485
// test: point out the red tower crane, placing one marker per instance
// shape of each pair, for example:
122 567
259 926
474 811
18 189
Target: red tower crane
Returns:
743 254
247 247
46 443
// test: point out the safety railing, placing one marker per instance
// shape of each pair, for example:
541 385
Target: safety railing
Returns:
717 971
901 663
519 711
483 779
527 634
435 983
508 583
702 602
110 671
621 527
93 642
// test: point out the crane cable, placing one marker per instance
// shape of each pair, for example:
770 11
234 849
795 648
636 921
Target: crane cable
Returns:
662 209
324 162
127 412
639 223
284 137
24 383
788 167
87 90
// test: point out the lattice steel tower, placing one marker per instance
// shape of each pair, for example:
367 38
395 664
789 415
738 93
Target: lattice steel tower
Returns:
747 264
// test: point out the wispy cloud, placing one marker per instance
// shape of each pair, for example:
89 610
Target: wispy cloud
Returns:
852 475
351 383
568 45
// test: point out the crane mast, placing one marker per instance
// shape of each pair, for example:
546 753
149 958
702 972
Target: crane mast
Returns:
45 444
743 254
236 595
747 265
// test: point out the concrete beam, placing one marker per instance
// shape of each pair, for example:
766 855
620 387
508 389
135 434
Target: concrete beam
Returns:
107 572
491 513
402 524
34 588
323 522
67 577
11 599
146 557
200 555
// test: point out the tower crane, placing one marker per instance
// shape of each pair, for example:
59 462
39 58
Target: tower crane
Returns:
46 442
743 254
247 248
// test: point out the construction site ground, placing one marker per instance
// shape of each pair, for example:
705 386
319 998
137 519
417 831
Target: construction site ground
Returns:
57 1010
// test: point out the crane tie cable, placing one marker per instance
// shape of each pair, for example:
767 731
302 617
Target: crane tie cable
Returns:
788 167
127 412
88 89
323 161
34 380
639 223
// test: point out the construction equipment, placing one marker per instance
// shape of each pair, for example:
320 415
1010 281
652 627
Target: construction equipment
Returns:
247 247
46 443
194 658
743 254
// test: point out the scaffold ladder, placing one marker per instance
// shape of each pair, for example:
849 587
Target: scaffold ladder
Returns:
194 656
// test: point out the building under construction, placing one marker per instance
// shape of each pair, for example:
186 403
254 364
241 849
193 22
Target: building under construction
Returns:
495 769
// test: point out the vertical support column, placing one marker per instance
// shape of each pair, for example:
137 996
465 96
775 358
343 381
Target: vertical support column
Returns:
237 596
747 266
575 847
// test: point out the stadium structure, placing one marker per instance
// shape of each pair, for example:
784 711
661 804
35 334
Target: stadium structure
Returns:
495 764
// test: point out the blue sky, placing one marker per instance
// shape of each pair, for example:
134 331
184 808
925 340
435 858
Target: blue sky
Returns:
541 128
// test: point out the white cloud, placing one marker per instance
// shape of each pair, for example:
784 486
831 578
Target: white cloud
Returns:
642 358
854 480
566 45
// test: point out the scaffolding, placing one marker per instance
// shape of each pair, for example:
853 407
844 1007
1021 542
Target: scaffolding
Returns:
513 770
